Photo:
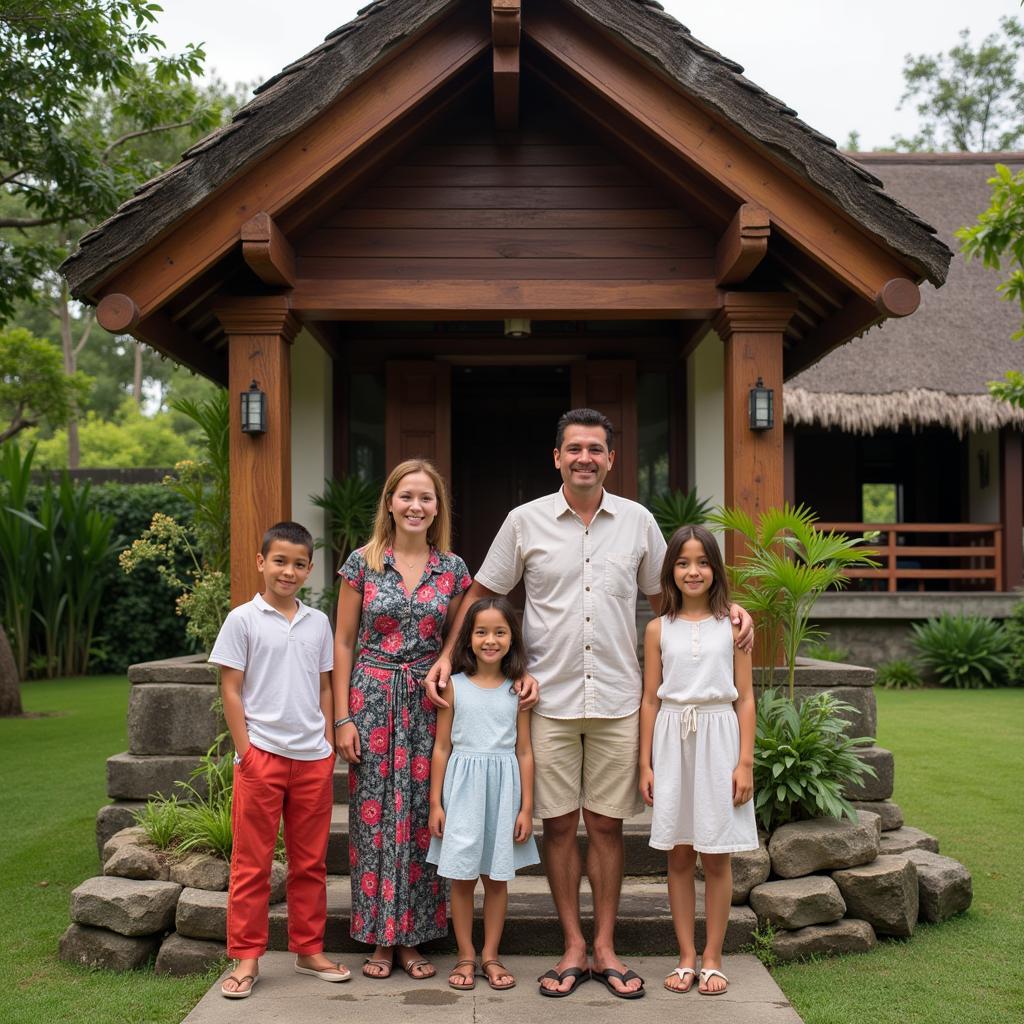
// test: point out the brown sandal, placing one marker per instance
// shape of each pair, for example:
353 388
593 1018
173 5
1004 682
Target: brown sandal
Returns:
413 964
387 965
502 970
470 982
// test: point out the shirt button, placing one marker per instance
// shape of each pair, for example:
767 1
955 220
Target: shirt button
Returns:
587 648
588 618
586 559
586 588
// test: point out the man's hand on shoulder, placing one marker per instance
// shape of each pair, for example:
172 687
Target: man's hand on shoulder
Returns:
437 680
529 691
739 616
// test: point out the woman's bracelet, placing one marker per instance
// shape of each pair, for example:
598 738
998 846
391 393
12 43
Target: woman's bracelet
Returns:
342 721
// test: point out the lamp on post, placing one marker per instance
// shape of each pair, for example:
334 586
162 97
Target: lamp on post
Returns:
254 410
517 327
762 406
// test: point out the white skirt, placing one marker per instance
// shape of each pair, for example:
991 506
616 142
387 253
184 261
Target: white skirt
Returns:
696 749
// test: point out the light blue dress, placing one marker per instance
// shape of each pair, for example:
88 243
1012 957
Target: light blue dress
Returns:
482 792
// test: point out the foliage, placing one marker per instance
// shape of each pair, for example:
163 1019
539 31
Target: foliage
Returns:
898 674
970 100
673 509
966 651
350 504
803 759
823 652
762 944
33 385
1014 630
788 564
878 503
160 819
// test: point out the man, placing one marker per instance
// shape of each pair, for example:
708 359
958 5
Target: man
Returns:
582 554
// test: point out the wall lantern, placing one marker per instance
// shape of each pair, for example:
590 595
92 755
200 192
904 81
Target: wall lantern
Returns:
762 407
254 410
517 328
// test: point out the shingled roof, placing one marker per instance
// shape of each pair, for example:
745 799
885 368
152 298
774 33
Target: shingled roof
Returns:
929 369
290 100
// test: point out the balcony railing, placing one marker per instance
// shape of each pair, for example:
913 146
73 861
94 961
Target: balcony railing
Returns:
957 556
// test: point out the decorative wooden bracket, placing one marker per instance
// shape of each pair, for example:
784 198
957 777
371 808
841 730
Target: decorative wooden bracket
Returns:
117 313
898 297
743 245
506 25
268 253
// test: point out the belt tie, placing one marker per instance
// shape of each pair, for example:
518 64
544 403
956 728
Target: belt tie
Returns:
688 720
412 672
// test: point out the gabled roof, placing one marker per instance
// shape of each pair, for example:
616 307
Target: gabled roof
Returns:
929 369
300 92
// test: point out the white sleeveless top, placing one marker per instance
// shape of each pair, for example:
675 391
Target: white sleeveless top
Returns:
696 661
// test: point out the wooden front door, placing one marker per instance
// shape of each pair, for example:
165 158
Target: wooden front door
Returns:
609 385
418 417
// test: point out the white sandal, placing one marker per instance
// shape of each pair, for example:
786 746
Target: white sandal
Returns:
681 973
341 974
710 972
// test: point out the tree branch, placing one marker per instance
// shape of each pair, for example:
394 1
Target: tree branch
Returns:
28 222
128 136
10 177
90 319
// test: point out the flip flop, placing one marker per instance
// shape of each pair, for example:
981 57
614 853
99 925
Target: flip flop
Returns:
412 964
503 970
605 978
579 974
342 974
710 972
235 993
681 973
470 982
386 964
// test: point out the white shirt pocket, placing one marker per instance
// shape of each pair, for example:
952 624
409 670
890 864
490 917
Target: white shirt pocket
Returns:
620 575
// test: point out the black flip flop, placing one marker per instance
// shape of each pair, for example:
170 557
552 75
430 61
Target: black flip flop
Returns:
605 978
579 974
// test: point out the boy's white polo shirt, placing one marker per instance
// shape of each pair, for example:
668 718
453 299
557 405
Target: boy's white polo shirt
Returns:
281 663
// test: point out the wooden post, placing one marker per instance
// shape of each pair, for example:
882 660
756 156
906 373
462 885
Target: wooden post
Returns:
1011 505
751 325
260 331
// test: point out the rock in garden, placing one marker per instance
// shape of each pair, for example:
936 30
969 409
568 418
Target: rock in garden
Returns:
798 902
943 885
188 668
202 915
125 905
880 786
278 879
908 838
890 814
171 718
132 860
114 817
883 893
99 948
749 868
201 871
130 777
129 836
846 936
180 956
821 844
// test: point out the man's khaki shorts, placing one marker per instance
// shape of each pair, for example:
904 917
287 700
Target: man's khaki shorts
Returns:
588 762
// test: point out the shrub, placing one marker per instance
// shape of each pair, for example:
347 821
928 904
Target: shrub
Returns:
822 652
672 509
161 820
966 651
803 759
898 674
1014 629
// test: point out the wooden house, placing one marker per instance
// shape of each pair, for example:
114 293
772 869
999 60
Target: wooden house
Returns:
453 219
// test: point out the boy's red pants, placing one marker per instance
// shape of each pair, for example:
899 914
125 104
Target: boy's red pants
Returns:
267 786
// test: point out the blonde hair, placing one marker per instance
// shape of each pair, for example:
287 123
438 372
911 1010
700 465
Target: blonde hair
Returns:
439 533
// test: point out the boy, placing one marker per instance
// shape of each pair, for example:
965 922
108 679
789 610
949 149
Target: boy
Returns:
276 656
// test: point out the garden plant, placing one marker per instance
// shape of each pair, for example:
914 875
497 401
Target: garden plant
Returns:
968 652
672 509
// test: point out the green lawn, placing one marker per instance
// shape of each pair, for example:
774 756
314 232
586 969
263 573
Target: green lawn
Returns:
959 761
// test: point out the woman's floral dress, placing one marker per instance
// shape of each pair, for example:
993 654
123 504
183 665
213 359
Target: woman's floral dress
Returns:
397 898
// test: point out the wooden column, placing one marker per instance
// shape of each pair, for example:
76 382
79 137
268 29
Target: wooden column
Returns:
751 326
260 331
1011 504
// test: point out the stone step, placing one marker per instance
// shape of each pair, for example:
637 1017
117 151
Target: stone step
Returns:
644 922
640 858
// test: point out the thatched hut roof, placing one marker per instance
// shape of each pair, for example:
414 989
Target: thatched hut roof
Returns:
931 368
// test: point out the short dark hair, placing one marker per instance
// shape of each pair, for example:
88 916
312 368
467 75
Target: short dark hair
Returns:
718 594
584 418
514 663
292 533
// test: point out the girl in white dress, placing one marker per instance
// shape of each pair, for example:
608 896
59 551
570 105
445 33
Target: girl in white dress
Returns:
697 722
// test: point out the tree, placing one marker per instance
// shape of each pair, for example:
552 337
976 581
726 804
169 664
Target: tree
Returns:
33 385
969 100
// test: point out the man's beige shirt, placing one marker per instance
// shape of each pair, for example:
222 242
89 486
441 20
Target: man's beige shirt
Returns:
581 589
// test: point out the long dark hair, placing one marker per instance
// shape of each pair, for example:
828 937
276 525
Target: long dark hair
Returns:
718 594
514 662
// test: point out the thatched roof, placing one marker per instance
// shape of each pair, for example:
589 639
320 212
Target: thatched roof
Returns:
929 369
292 99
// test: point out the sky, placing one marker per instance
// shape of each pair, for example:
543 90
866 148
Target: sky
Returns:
837 62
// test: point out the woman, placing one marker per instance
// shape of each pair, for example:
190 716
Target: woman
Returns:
396 595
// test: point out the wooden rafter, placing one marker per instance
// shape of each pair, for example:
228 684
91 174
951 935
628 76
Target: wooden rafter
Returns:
743 245
266 250
506 24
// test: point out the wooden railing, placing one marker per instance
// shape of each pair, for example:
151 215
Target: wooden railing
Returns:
973 553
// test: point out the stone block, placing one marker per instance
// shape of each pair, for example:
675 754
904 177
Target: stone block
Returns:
821 844
846 936
112 818
179 956
130 777
943 885
749 868
907 838
171 718
798 902
106 950
879 786
278 881
891 814
132 835
864 717
133 860
202 915
201 871
883 893
125 905
190 668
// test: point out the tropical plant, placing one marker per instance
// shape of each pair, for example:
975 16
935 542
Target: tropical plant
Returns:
1014 628
969 652
349 504
160 819
803 759
823 652
787 565
17 552
673 509
898 674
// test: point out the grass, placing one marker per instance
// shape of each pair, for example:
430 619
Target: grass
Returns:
959 768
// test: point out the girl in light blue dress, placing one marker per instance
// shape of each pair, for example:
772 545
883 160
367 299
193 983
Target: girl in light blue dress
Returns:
481 784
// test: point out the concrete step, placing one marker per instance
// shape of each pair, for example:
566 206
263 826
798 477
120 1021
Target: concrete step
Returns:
644 922
640 858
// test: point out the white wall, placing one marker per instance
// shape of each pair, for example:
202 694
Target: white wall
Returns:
312 448
705 419
983 502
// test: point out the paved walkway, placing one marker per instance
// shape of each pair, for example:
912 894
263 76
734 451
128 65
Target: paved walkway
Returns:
284 997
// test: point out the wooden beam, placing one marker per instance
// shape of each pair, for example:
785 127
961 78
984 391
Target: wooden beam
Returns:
266 250
852 319
1011 505
898 297
160 332
505 30
117 313
743 244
